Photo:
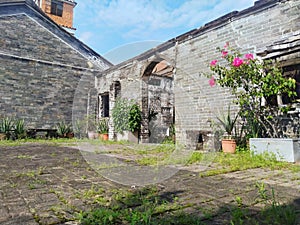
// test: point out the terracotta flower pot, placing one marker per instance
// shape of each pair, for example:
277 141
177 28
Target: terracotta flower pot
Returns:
103 137
228 145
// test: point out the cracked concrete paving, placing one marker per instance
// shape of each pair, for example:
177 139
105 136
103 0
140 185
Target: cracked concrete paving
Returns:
39 184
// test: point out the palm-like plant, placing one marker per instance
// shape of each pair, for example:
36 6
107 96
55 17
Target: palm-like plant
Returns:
228 122
20 130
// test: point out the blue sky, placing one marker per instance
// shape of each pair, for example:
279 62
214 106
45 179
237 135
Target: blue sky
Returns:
121 29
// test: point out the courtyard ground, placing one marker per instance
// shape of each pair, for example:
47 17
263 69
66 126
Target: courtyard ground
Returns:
51 184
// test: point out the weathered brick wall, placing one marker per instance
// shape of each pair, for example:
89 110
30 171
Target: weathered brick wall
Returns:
22 36
40 93
250 31
46 76
196 103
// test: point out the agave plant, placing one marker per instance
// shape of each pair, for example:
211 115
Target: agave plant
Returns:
20 130
228 122
6 126
102 126
63 129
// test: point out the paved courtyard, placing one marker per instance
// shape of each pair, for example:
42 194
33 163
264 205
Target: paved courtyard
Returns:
44 184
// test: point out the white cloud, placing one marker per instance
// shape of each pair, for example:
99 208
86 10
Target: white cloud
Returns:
134 20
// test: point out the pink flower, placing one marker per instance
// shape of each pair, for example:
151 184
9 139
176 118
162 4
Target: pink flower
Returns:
237 62
226 45
224 53
249 56
212 81
213 63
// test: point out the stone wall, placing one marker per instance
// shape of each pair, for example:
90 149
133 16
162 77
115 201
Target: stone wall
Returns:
250 31
196 103
41 93
46 74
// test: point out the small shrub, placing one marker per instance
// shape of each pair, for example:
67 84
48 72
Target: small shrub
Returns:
63 129
20 130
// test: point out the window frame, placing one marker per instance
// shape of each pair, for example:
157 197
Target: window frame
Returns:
57 8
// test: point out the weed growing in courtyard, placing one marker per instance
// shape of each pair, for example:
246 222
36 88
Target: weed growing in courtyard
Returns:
143 206
273 212
225 163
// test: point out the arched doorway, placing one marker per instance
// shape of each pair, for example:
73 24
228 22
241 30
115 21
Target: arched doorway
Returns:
157 101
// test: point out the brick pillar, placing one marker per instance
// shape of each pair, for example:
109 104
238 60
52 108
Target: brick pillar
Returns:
145 123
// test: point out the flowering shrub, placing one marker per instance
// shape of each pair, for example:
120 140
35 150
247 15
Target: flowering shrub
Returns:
253 82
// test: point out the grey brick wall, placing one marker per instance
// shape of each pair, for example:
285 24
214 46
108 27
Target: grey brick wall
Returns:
23 37
196 103
42 94
250 32
44 78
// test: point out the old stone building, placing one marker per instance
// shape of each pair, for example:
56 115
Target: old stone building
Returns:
268 29
48 75
43 67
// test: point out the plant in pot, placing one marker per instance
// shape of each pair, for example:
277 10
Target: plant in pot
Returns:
228 123
6 128
102 128
20 129
64 130
257 85
126 116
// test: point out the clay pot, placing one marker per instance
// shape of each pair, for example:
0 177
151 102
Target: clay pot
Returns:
103 137
229 146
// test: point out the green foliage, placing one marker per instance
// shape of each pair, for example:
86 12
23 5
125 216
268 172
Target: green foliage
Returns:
63 129
242 160
20 130
13 128
227 122
272 212
102 126
126 115
252 81
143 206
6 126
135 118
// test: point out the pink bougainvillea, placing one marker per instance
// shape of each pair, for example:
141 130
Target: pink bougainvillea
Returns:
237 62
213 63
212 81
249 56
224 53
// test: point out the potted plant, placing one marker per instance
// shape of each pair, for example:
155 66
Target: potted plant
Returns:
6 127
228 123
64 130
102 128
127 118
257 84
19 129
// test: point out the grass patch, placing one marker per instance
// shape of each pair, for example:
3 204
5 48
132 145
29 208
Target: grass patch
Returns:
272 212
148 206
143 206
225 163
50 142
